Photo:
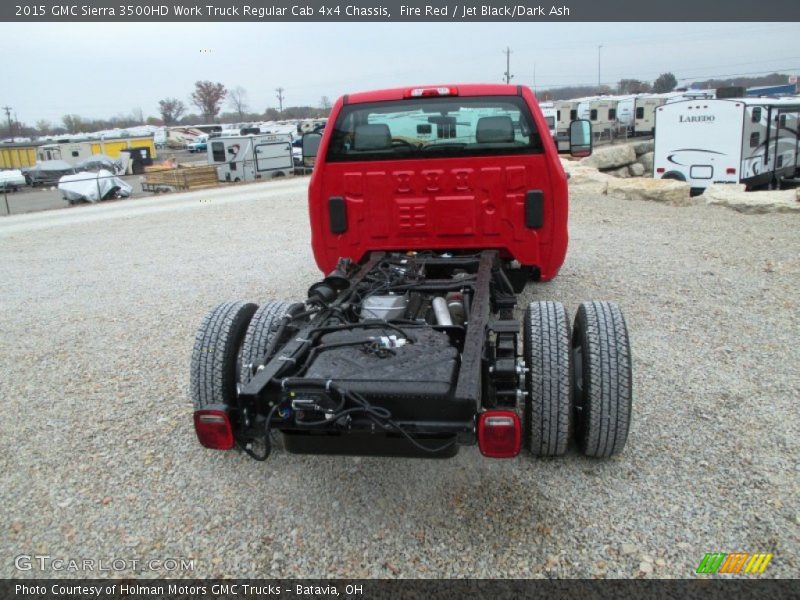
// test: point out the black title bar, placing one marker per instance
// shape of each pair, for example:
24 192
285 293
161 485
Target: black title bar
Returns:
400 11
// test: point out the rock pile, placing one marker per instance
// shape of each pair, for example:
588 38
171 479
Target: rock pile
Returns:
624 160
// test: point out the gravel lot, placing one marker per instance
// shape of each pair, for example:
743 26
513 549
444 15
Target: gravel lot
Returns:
98 459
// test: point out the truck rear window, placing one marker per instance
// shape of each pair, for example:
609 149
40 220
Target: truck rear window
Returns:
434 127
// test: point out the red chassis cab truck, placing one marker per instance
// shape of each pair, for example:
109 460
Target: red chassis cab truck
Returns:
430 208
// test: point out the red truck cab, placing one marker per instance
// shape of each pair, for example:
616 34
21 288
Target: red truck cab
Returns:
447 168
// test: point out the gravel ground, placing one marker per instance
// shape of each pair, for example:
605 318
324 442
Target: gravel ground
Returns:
98 459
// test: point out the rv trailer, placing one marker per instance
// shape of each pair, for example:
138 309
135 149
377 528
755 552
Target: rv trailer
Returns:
603 116
566 113
753 141
251 157
626 112
644 122
550 113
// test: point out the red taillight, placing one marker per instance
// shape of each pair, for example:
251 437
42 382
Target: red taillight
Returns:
499 434
730 171
430 92
213 428
660 170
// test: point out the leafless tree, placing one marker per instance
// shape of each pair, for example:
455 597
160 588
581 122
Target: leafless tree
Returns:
238 100
171 110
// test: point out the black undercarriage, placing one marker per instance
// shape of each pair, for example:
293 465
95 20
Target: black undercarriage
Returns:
395 356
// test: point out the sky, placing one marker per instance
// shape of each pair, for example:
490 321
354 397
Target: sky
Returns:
99 70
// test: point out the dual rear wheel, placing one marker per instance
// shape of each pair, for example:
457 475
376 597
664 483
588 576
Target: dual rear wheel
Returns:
579 383
231 338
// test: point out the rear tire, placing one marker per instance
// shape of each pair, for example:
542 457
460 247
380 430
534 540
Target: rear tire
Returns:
548 404
601 359
262 329
215 354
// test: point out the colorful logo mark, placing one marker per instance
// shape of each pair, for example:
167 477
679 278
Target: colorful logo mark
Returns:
738 562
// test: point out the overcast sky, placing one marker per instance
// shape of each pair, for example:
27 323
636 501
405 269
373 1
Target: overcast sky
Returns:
102 70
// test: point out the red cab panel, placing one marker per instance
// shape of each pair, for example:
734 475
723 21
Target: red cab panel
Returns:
475 175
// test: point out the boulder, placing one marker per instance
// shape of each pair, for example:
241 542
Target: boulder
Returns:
610 157
647 162
588 180
734 196
621 173
636 169
668 191
644 147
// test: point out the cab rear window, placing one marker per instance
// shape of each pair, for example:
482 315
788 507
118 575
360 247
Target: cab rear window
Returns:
434 127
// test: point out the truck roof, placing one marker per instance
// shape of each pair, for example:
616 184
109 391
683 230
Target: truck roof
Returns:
467 89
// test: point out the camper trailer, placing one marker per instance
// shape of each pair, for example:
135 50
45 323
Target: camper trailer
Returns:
626 112
550 113
251 157
75 152
644 121
752 141
603 116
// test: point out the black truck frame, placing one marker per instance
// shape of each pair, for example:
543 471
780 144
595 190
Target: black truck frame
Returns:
335 375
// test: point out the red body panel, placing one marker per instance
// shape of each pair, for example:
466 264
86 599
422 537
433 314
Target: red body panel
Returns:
446 203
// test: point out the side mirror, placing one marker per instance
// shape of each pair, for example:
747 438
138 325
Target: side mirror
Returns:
580 138
310 147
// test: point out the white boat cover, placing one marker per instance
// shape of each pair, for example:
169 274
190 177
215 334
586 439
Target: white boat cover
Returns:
12 178
93 187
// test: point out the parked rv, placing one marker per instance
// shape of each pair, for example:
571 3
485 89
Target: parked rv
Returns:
75 152
644 122
550 113
744 140
603 116
251 157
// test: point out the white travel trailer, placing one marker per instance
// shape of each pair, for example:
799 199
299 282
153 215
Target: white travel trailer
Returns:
741 140
626 111
603 115
550 113
251 157
644 121
567 112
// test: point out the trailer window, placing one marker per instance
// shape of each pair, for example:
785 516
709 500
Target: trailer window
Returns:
218 152
593 114
573 114
558 115
782 122
756 114
75 153
434 127
612 114
755 137
640 112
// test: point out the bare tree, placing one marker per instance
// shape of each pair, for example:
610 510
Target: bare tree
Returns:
72 123
325 104
171 110
137 114
238 100
43 126
208 97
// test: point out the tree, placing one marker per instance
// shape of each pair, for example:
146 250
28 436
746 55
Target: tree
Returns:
632 86
272 114
208 97
325 104
171 110
665 82
43 126
137 115
238 101
72 123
